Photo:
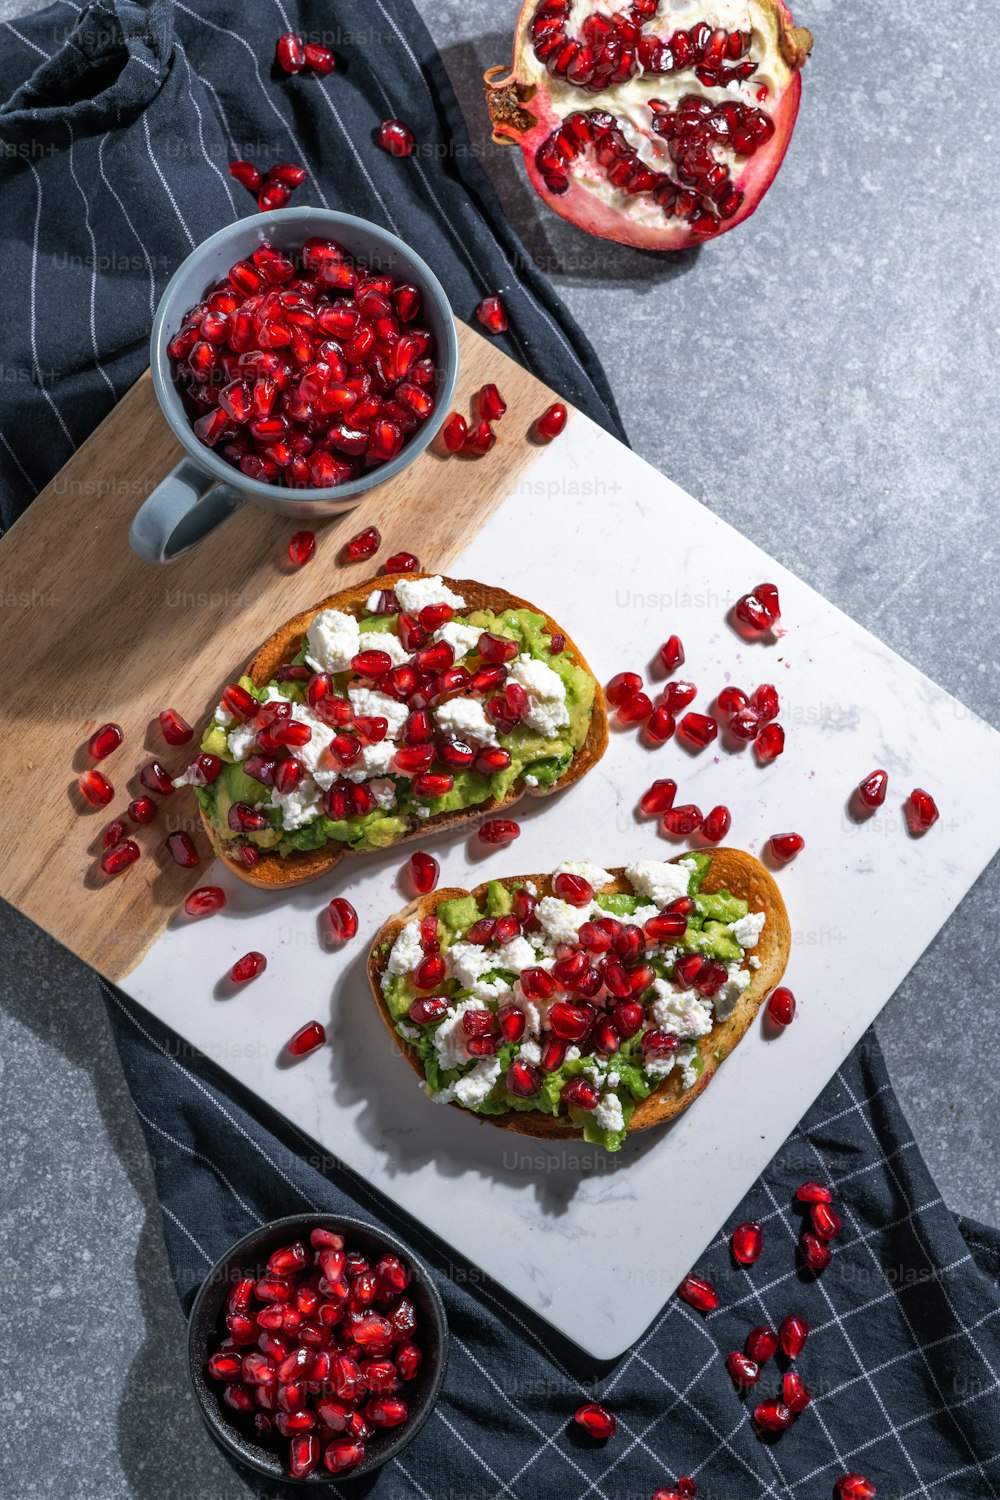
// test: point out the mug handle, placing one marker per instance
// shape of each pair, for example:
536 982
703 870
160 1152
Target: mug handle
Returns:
181 511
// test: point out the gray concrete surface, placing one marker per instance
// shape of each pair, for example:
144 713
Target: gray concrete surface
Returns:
824 379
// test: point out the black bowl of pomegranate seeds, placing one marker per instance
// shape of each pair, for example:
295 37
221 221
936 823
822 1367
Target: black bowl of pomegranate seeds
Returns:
317 1348
304 356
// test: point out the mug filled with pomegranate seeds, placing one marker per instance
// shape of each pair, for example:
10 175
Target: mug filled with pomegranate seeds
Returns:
300 357
317 1348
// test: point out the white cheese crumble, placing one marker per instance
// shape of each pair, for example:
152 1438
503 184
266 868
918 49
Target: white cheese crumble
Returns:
387 641
476 1084
463 639
595 877
516 955
373 601
660 881
384 792
725 1000
332 639
465 719
239 740
414 594
682 1013
405 955
374 760
686 1060
748 929
608 1114
370 703
753 960
468 961
659 1067
560 921
547 712
298 806
223 716
530 1052
450 1039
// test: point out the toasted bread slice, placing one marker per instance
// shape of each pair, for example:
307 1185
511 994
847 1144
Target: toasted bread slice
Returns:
731 870
280 872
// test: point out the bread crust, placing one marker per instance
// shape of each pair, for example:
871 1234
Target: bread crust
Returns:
732 870
281 872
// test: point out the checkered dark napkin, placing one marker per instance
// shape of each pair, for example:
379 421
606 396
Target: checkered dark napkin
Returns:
119 123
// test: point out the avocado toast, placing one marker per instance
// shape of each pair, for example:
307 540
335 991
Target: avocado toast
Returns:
590 1003
401 705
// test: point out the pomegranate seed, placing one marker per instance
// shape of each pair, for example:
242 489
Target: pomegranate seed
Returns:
242 818
677 695
573 889
635 709
429 973
293 176
396 138
237 701
142 810
301 547
666 927
687 1487
289 53
743 1371
773 1416
826 1222
781 1006
203 770
496 648
681 821
793 1334
480 439
428 1008
512 1022
499 831
745 725
113 834
731 699
430 784
698 729
659 798
103 741
872 789
239 1398
303 1455
454 432
523 1079
424 872
785 846
307 1039
320 59
402 562
595 1421
224 1365
855 1487
490 404
659 726
717 824
813 1192
748 1242
247 175
205 900
815 1252
759 609
765 700
770 742
182 850
698 1293
762 1344
344 1454
921 810
343 919
628 1017
96 788
624 686
672 653
118 858
492 313
175 730
365 544
248 967
537 984
552 421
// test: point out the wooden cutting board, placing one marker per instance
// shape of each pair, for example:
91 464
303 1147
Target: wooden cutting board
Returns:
90 633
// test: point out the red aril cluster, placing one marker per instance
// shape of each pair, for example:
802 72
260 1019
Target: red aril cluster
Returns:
458 436
293 54
272 189
318 1349
303 368
758 611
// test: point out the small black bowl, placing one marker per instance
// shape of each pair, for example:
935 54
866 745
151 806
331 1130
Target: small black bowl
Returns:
206 1326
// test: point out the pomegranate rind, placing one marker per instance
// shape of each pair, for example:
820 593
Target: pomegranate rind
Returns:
526 105
732 870
281 872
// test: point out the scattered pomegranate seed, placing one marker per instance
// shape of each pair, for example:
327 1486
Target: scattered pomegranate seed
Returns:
625 685
731 699
402 562
659 726
490 403
687 1487
759 610
596 1421
320 59
794 1392
343 919
205 900
748 1242
182 850
765 700
781 1006
672 653
454 432
365 544
677 695
826 1222
743 1371
247 967
492 313
659 798
770 742
119 857
762 1343
793 1334
855 1487
307 1039
698 729
301 547
813 1192
872 790
289 53
175 730
96 788
682 821
921 811
103 741
499 831
815 1252
289 173
552 421
698 1293
396 138
785 846
142 810
773 1416
717 824
635 709
155 779
480 439
113 834
247 175
573 889
424 872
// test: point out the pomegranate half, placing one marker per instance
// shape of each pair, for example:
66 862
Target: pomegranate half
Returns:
657 125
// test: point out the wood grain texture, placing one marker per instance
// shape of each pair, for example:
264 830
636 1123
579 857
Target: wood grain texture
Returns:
90 633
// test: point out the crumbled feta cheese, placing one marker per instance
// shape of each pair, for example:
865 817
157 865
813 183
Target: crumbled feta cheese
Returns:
332 639
239 740
686 1060
374 760
411 1033
451 1041
223 716
725 1001
313 753
492 989
465 719
547 712
560 921
414 594
469 961
748 929
532 1018
753 960
659 1067
406 953
608 1114
531 887
300 805
369 703
373 601
613 1080
530 1052
682 1013
572 1054
530 780
474 1087
387 641
384 792
660 881
596 878
461 638
642 915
